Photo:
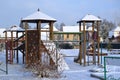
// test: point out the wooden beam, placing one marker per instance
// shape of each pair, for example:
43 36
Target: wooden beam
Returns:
93 28
17 49
11 46
84 45
51 30
26 47
98 42
80 45
39 30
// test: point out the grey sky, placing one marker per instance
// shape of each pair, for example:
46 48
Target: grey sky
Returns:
67 11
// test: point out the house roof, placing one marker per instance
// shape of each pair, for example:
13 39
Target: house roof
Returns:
70 28
75 28
117 29
115 32
1 32
38 16
47 26
90 17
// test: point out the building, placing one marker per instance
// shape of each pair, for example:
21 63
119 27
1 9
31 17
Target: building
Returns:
73 37
115 32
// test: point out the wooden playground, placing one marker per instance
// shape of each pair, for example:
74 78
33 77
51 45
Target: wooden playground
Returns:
35 50
30 44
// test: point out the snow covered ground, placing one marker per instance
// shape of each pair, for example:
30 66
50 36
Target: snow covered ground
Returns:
18 71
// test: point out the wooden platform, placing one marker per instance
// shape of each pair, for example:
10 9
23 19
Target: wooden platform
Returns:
101 54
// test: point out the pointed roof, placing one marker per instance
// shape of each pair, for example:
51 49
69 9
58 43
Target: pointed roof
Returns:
38 16
90 17
14 28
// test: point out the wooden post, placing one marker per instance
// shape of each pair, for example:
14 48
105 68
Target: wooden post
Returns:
23 49
98 41
17 49
5 36
93 43
84 45
26 47
51 37
80 45
39 34
11 47
51 30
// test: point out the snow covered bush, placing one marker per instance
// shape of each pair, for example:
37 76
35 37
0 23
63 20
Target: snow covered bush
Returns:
45 70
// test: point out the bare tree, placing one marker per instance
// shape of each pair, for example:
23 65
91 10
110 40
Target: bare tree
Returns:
22 25
61 26
105 27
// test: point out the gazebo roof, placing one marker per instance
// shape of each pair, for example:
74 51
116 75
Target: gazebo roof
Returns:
38 16
14 29
89 18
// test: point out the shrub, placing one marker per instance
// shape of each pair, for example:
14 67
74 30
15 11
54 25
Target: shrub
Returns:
66 46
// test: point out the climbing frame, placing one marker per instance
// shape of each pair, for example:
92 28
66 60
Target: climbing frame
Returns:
32 54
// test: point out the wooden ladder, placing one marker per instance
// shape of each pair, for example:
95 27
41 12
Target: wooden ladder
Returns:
9 53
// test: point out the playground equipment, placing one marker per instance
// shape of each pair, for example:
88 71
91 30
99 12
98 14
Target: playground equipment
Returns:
35 49
11 42
94 21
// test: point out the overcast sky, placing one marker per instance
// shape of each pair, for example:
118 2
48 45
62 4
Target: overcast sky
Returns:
67 11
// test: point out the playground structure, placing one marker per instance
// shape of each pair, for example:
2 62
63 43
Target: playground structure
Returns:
32 46
35 49
11 42
85 39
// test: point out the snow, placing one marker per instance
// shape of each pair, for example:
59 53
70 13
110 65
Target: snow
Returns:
39 16
76 71
70 28
1 32
15 28
117 29
115 32
18 71
76 28
47 27
90 17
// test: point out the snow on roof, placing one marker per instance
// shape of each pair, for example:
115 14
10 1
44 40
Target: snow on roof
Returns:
75 28
1 32
115 32
117 29
14 28
39 16
90 17
47 26
70 28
